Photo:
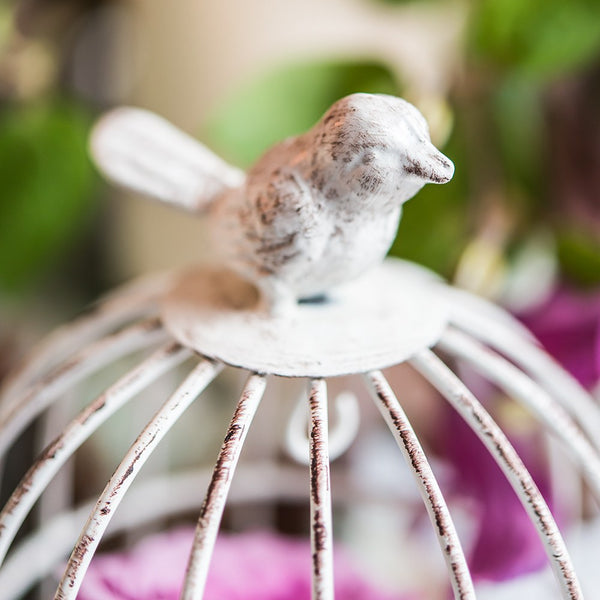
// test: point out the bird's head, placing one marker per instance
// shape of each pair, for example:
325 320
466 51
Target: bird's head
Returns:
380 146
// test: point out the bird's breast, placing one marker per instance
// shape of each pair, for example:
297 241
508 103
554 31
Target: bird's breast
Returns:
353 246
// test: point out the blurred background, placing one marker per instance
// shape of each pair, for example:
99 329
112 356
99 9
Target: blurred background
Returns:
511 89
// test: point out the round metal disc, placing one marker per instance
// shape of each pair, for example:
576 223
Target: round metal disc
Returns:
380 320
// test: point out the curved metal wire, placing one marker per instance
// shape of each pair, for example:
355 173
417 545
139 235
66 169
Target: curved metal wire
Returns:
218 489
50 382
126 472
321 530
531 395
39 553
478 419
434 501
77 431
16 417
535 361
132 302
341 435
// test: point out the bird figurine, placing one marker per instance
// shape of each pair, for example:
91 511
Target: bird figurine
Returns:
315 211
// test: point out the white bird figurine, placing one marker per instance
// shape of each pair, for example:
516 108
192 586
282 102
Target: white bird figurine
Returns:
315 211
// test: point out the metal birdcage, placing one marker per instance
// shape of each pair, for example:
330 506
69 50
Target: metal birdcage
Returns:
401 314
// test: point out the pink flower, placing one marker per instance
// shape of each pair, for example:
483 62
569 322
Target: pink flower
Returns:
249 566
568 326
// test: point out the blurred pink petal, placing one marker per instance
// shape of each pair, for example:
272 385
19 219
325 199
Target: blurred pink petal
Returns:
506 543
568 325
250 566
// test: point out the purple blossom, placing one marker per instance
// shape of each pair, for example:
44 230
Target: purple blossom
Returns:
568 326
506 543
250 566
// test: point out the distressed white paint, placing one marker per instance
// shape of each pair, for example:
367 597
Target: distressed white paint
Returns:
56 454
382 319
213 506
342 433
379 320
496 442
125 474
131 302
435 503
316 210
142 151
313 217
36 398
530 394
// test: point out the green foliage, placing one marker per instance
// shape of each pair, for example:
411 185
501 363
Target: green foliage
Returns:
579 257
5 23
46 181
287 102
519 125
517 150
540 38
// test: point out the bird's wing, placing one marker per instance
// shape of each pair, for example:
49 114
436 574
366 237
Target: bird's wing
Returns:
281 219
145 153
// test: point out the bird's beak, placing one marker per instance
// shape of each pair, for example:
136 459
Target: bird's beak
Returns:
431 165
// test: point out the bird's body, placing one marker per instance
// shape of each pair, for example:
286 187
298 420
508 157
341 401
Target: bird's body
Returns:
316 210
288 236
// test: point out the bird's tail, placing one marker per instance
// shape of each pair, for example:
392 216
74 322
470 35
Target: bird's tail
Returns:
139 150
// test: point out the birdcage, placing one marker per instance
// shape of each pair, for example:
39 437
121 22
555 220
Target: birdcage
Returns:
401 314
